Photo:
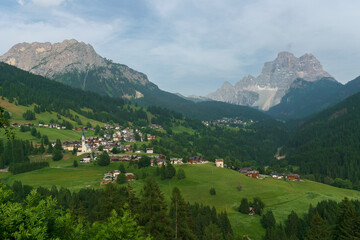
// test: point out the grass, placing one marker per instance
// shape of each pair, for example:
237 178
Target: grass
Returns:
52 133
16 112
279 196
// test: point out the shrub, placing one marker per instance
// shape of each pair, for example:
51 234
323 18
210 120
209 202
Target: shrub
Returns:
57 155
180 174
121 179
75 164
212 191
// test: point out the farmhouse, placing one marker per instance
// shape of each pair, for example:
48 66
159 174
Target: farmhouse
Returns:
196 159
150 150
130 176
293 177
245 170
253 174
276 175
219 163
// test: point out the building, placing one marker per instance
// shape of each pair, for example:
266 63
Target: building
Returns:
293 177
85 148
150 150
253 174
130 176
219 163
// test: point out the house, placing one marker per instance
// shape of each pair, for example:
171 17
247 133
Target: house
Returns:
293 177
114 159
130 176
245 170
150 150
150 137
196 159
276 175
115 173
219 163
253 174
86 159
176 160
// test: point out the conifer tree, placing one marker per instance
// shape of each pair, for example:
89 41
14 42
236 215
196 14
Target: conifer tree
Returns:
42 148
212 232
317 229
348 223
153 210
292 225
180 216
244 206
268 220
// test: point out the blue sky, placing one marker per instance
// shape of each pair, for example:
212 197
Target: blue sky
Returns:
192 47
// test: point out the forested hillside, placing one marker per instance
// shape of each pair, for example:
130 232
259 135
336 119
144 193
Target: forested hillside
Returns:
327 145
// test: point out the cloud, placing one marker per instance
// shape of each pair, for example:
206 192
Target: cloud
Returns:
194 46
48 3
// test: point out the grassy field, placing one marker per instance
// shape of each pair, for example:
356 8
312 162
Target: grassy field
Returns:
16 112
279 196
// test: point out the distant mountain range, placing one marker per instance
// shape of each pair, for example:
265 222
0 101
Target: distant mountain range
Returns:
267 89
78 65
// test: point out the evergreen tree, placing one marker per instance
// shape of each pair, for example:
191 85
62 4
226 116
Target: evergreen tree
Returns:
58 145
75 164
212 232
275 233
153 210
122 168
180 216
268 220
121 178
317 229
244 206
180 174
163 172
292 225
348 222
74 151
50 148
57 155
224 225
103 159
212 191
42 148
170 170
258 206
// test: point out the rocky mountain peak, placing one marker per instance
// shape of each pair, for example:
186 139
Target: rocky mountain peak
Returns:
77 64
274 80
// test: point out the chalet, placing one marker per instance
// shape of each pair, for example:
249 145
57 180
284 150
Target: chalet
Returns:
245 170
219 163
115 173
86 159
176 160
150 150
130 176
293 177
253 174
196 159
151 137
276 175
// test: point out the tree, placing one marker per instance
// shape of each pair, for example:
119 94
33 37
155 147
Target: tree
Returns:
50 148
317 229
163 172
101 147
180 216
153 210
121 178
180 174
74 151
244 206
104 159
42 148
170 170
57 155
29 115
75 164
122 168
212 191
88 125
268 220
58 145
347 222
5 124
292 225
258 206
144 162
212 232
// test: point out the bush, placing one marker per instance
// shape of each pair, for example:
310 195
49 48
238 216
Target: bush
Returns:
75 164
212 191
121 179
57 155
104 159
180 174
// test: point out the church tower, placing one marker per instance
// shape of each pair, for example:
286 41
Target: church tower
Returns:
83 146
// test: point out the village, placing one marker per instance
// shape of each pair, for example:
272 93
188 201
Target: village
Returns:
228 122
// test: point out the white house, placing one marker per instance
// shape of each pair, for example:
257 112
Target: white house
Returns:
219 163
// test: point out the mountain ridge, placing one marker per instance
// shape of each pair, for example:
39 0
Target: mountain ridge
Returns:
267 89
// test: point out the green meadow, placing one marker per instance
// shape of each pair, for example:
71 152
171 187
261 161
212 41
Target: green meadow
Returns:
279 196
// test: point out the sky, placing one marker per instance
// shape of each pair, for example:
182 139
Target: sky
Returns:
192 47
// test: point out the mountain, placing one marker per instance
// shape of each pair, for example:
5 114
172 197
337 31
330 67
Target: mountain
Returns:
267 89
305 98
326 145
78 65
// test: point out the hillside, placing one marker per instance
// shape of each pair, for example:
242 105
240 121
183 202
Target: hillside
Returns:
78 65
279 196
326 145
306 98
